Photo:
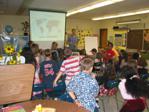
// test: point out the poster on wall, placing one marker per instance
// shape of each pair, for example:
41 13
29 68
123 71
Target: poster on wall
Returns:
120 40
90 43
146 39
81 33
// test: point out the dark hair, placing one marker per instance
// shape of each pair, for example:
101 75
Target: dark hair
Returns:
109 74
61 53
132 63
29 56
142 62
134 85
47 52
94 50
135 56
82 52
54 45
35 49
55 55
110 44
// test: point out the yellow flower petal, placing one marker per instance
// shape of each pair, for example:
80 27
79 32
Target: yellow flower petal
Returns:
12 62
9 49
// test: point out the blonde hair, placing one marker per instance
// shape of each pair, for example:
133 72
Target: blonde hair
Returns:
86 63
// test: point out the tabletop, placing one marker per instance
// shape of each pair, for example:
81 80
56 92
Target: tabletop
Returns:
60 106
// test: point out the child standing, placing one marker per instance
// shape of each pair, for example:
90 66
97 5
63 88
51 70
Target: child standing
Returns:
70 67
48 70
133 90
83 88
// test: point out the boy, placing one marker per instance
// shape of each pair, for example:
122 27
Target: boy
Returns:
83 88
48 70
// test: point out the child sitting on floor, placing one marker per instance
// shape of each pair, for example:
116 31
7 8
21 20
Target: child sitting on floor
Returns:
108 82
133 90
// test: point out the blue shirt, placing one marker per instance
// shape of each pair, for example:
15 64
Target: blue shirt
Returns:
86 89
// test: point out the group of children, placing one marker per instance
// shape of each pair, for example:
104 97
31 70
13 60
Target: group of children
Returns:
85 75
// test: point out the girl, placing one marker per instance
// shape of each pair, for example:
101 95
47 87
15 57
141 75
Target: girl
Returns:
133 90
37 86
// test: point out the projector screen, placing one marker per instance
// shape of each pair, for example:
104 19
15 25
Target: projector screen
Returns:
46 27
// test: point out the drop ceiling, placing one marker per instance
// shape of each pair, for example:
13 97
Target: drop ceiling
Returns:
20 7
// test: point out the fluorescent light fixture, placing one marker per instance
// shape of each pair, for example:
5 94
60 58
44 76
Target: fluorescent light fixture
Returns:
122 15
129 22
101 4
71 13
93 6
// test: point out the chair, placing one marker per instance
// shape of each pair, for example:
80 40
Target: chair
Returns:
16 83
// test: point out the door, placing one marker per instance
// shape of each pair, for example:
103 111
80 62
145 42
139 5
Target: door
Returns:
103 38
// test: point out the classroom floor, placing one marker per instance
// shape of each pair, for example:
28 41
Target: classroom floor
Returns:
113 103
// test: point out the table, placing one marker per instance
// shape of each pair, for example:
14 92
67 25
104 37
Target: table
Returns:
60 106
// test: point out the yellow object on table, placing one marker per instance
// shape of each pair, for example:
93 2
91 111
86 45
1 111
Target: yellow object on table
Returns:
39 108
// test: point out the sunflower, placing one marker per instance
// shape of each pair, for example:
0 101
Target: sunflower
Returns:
12 62
9 49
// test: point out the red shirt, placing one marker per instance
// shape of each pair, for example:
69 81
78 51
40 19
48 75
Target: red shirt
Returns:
109 55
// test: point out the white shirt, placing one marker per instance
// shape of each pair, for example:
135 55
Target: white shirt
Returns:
123 90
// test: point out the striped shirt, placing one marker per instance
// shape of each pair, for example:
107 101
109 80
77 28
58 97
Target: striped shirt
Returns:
71 67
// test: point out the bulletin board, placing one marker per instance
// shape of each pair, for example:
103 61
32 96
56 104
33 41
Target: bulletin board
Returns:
90 43
146 39
81 33
135 39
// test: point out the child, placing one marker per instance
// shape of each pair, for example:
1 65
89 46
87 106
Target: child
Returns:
108 82
133 89
83 88
37 86
70 67
48 69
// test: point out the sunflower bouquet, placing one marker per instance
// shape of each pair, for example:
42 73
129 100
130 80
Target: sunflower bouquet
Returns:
12 57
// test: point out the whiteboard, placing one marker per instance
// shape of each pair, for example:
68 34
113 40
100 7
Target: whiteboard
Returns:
90 43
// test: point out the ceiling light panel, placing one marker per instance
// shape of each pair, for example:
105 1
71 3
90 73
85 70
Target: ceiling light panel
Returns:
93 6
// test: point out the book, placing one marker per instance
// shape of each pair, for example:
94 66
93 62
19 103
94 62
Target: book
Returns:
14 108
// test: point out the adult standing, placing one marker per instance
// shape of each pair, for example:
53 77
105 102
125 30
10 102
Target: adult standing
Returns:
73 40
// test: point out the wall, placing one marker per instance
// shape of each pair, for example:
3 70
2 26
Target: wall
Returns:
112 22
14 21
82 24
92 26
85 28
